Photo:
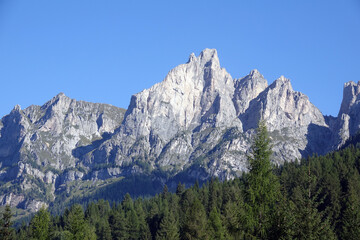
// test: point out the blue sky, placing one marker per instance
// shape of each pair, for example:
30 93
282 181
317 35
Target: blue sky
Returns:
105 51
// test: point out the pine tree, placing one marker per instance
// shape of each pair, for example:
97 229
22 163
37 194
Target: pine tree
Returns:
165 192
40 224
285 221
144 230
117 225
310 223
103 231
6 231
233 213
262 189
350 227
77 226
180 189
195 222
169 228
215 227
132 225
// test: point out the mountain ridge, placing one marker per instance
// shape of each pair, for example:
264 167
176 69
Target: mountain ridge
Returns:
198 122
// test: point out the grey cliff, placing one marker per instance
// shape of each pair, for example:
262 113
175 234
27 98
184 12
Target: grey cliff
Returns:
198 121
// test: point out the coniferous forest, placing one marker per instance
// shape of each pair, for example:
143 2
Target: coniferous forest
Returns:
315 198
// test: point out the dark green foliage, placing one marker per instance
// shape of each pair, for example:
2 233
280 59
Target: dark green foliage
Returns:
6 230
262 188
168 228
310 223
40 225
350 227
76 224
215 228
195 222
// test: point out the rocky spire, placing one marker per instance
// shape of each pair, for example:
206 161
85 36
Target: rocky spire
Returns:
208 56
351 95
248 88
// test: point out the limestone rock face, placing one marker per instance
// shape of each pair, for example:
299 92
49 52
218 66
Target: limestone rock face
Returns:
198 122
163 122
348 120
199 114
248 88
42 142
295 124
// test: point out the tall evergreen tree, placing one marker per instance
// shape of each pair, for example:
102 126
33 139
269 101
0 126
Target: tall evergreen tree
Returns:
40 224
169 227
117 225
195 222
262 189
310 223
144 230
215 228
350 226
6 230
77 226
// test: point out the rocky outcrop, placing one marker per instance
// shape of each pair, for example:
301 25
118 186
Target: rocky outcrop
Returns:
39 144
198 122
199 114
348 119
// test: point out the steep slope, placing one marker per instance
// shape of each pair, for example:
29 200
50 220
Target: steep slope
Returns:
347 122
197 123
38 146
297 127
199 116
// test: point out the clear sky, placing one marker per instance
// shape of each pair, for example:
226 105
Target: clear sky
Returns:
106 50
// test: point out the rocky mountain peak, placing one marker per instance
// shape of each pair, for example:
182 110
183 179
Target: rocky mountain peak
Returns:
348 120
248 88
283 83
17 108
209 57
192 58
197 123
189 93
255 74
351 95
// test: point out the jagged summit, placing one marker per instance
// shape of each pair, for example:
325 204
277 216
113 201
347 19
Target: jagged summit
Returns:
282 82
192 58
17 108
208 54
207 57
198 122
255 74
60 94
351 94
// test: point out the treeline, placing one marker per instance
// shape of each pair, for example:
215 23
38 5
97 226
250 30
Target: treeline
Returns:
316 198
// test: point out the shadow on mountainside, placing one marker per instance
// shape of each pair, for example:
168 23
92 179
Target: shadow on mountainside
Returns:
82 150
319 141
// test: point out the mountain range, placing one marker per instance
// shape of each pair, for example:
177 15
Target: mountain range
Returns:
195 124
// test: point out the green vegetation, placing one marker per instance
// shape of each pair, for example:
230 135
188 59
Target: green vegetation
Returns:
316 198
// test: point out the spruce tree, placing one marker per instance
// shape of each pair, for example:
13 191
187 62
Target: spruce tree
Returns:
195 222
40 224
262 187
169 227
6 230
117 225
180 189
350 226
310 223
215 228
77 226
